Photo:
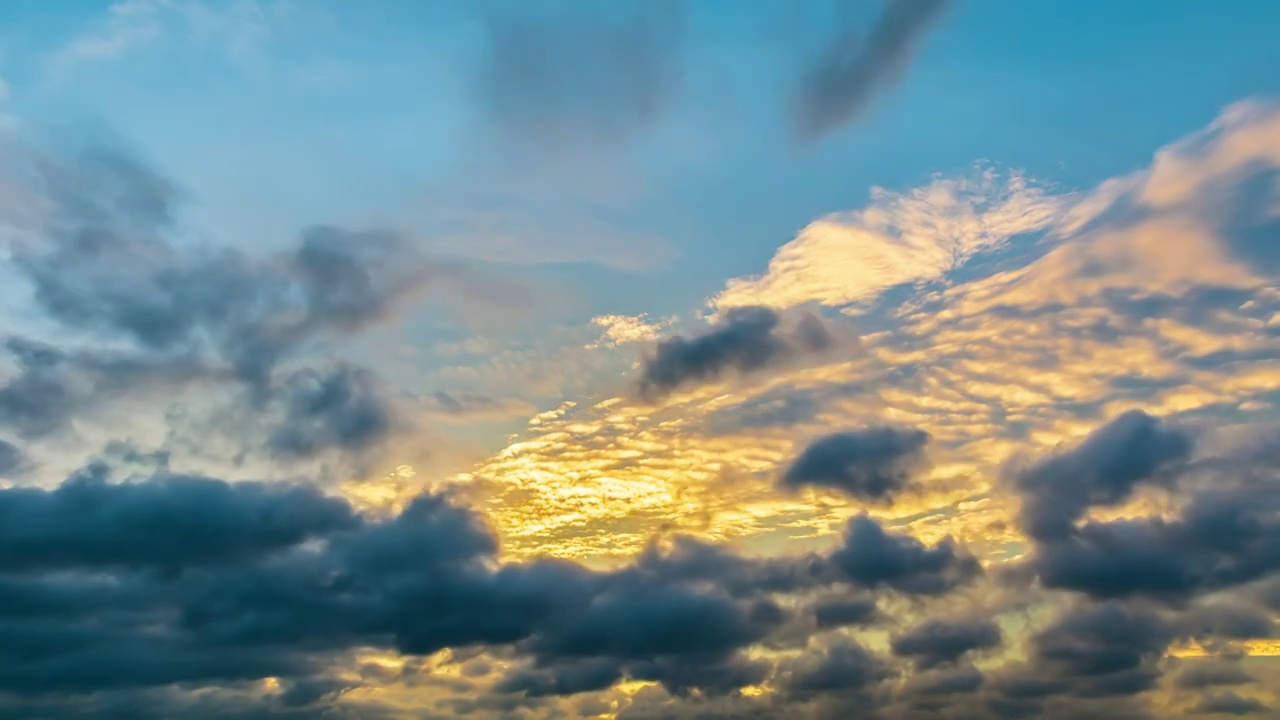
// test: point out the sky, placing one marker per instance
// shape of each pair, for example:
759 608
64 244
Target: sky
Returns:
639 360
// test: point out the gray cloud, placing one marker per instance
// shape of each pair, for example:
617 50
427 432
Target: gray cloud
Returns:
854 69
843 666
11 458
1200 674
559 82
845 612
158 311
1103 470
872 557
870 464
343 407
1229 703
746 340
940 641
169 521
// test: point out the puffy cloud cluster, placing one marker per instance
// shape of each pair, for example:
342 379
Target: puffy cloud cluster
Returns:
155 312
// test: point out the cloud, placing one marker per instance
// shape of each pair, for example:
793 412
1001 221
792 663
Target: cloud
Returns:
872 558
1229 703
343 408
570 82
1221 536
941 641
842 666
1205 674
128 24
872 464
168 522
623 329
156 312
108 262
844 613
10 458
233 28
747 339
470 407
855 69
1103 470
942 684
900 239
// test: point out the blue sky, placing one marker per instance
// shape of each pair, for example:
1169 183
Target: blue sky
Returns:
639 359
349 114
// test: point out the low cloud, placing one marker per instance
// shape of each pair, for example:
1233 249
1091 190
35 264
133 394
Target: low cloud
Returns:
873 464
746 340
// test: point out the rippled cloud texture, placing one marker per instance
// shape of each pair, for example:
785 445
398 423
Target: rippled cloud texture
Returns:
981 449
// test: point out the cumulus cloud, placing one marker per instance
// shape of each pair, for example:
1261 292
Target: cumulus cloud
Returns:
746 340
1103 470
873 557
940 641
872 464
1218 537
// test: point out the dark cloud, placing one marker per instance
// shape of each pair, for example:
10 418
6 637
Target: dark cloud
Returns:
855 68
845 613
843 666
343 407
567 678
556 82
202 581
950 681
169 521
1219 540
1101 471
872 557
747 339
1102 650
1227 620
871 464
1229 703
1200 674
940 641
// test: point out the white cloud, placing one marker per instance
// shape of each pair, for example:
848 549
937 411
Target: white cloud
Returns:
235 28
622 329
910 237
128 24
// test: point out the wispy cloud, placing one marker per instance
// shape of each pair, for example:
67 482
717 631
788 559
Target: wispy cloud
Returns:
855 68
235 27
